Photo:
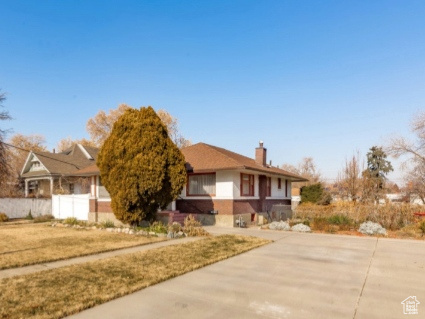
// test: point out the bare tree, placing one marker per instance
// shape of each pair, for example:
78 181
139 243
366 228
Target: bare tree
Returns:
307 169
415 152
17 153
68 142
415 182
350 178
4 165
399 146
173 129
101 125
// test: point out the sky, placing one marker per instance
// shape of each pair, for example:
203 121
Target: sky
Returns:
319 79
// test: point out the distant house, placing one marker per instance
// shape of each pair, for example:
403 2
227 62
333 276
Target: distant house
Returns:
222 186
45 173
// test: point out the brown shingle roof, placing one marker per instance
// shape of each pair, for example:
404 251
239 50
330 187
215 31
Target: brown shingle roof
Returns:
65 163
90 170
202 157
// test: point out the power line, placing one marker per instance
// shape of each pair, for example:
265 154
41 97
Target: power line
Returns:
38 153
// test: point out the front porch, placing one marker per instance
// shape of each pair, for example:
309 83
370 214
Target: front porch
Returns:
47 186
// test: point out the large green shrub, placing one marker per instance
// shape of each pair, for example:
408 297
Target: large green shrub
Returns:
315 194
140 166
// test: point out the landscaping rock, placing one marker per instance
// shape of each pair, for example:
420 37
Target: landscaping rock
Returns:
301 228
279 226
370 228
152 233
110 230
170 234
161 235
180 234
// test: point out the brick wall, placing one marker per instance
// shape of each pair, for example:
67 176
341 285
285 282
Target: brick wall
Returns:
100 206
228 206
197 206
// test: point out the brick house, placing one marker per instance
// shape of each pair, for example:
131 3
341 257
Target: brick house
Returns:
222 186
232 185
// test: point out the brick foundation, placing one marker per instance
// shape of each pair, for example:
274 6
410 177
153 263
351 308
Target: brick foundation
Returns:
228 206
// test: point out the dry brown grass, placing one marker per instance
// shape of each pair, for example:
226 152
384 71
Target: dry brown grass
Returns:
29 244
60 292
390 216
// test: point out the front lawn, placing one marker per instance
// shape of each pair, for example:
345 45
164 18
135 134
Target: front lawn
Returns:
64 291
28 244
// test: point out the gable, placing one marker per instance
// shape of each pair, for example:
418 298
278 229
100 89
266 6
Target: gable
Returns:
34 165
66 163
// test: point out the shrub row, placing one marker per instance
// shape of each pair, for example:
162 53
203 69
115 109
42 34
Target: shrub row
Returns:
346 215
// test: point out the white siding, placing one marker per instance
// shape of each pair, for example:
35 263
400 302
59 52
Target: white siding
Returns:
280 193
224 185
228 187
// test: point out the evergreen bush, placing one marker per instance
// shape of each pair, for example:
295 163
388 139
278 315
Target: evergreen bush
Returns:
140 166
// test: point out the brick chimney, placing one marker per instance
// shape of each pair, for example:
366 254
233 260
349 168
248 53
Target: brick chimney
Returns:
261 154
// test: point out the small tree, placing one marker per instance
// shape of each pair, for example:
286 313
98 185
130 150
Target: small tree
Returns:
374 176
350 178
140 166
315 194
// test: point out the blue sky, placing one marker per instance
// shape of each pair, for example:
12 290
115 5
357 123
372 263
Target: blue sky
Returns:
309 78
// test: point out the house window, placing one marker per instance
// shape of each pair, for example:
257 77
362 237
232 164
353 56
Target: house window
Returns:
201 184
71 188
36 166
279 183
247 185
102 192
269 186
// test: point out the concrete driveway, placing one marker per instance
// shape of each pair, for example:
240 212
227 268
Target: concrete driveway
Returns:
297 276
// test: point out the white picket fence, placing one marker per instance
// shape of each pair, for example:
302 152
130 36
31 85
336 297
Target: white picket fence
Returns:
64 206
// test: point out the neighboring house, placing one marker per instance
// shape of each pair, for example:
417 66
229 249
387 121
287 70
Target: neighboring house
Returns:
46 173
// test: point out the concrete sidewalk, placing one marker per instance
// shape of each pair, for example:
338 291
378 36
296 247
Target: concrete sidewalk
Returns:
297 276
6 273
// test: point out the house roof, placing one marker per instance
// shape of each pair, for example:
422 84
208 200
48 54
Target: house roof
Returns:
199 157
67 162
90 170
203 157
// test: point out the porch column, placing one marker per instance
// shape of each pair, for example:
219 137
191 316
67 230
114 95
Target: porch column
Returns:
51 185
26 188
173 205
